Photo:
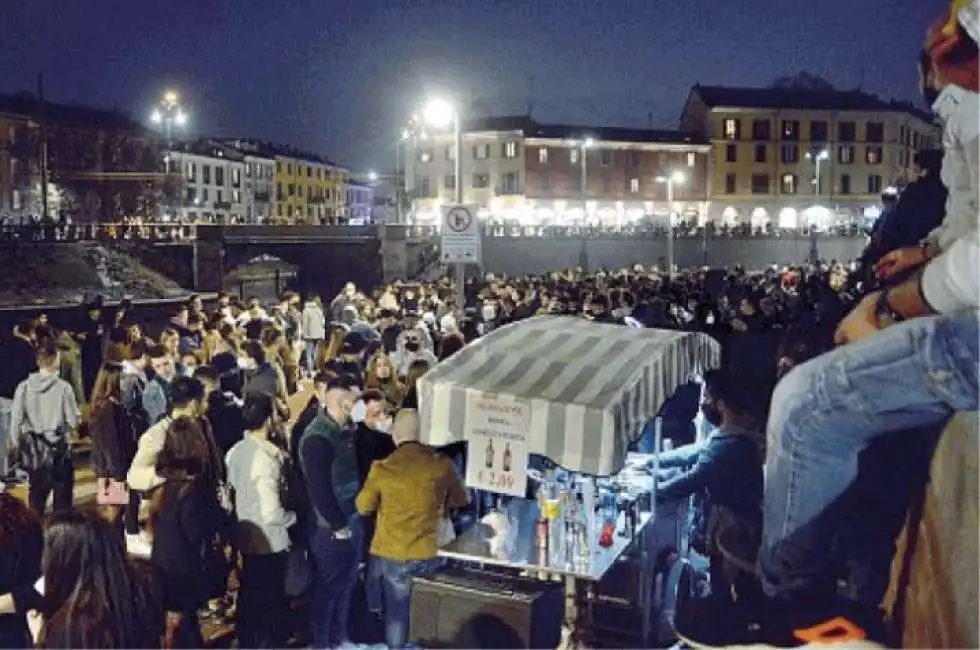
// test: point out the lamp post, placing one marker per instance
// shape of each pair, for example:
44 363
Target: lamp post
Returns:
675 178
169 114
817 159
439 114
584 146
399 175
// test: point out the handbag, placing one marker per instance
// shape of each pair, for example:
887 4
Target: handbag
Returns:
110 492
35 451
299 571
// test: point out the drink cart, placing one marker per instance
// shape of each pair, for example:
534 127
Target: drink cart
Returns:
577 393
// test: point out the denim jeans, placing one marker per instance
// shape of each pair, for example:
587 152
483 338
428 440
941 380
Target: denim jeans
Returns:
6 442
828 410
336 562
309 354
396 581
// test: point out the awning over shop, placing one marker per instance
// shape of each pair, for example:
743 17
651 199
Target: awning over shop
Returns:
590 388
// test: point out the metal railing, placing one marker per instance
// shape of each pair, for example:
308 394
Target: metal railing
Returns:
94 232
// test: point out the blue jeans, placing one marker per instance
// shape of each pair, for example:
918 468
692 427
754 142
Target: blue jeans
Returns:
336 562
396 581
828 410
309 353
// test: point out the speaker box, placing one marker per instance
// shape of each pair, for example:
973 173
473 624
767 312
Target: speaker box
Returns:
463 608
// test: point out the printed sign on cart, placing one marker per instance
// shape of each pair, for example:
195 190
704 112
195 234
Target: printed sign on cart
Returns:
496 434
460 234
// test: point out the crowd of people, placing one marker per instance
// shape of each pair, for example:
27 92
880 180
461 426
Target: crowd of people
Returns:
217 501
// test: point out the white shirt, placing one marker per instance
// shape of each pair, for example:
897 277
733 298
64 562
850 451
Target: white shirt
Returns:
255 477
958 109
951 282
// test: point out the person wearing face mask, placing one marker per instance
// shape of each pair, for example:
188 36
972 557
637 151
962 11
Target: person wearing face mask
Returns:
948 76
371 438
725 470
412 349
347 363
157 396
328 462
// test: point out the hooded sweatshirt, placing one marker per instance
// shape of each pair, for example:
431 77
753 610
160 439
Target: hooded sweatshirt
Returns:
44 404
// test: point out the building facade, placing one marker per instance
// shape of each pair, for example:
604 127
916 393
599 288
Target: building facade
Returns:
260 179
789 158
360 201
212 183
519 171
101 165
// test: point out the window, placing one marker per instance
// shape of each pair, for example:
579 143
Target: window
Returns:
845 183
789 154
206 174
236 177
510 183
278 167
573 156
731 129
760 153
481 181
219 176
191 195
449 182
760 130
450 152
634 185
191 172
510 150
278 191
874 132
791 130
309 172
872 154
730 183
731 153
481 151
424 187
692 159
605 157
289 169
543 155
845 154
280 209
299 191
248 170
818 132
789 184
204 195
874 183
219 197
846 132
425 155
760 183
236 196
633 159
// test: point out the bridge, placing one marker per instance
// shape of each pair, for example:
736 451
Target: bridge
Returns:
200 255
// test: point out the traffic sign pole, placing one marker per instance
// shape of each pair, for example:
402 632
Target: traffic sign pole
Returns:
458 190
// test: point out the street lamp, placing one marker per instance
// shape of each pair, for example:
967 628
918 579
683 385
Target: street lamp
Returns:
169 113
439 113
818 158
584 146
372 177
675 178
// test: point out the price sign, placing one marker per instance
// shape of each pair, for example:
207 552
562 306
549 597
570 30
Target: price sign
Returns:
496 435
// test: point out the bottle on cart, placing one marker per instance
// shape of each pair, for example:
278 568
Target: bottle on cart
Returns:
488 460
507 457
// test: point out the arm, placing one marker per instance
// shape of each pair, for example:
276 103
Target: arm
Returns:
316 457
142 473
696 478
17 413
267 486
457 496
683 456
72 414
369 498
947 284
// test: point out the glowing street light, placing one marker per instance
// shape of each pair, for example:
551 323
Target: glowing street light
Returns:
817 159
373 177
169 114
675 178
438 113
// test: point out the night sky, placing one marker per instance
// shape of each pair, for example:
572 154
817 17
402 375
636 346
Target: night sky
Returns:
340 76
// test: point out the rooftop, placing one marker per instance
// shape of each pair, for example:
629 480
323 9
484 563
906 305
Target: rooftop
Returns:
802 99
269 149
209 149
26 105
532 129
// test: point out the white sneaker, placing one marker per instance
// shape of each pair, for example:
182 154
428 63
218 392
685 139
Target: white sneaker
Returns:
136 545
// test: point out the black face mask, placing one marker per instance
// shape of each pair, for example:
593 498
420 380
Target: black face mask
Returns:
412 346
711 413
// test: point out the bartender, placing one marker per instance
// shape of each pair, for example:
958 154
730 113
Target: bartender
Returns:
725 471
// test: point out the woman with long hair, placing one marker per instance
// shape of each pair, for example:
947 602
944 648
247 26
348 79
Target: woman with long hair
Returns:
21 545
114 441
331 349
415 371
226 358
186 518
94 596
381 376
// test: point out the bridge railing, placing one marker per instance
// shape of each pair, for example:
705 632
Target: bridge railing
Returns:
95 232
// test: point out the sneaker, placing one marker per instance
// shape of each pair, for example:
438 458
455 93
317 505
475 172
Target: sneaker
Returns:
766 623
138 546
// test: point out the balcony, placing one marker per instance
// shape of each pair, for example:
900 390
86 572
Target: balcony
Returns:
222 205
262 197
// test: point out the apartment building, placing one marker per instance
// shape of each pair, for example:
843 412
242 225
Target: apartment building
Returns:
212 182
790 157
518 170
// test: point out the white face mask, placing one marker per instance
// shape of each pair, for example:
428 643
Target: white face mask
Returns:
382 425
489 312
359 411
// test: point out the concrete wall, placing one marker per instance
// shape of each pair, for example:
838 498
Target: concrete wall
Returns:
522 255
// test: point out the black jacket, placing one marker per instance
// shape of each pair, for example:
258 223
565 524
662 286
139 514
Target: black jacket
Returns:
226 420
19 360
370 445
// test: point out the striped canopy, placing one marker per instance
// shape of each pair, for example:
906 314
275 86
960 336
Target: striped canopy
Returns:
590 387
